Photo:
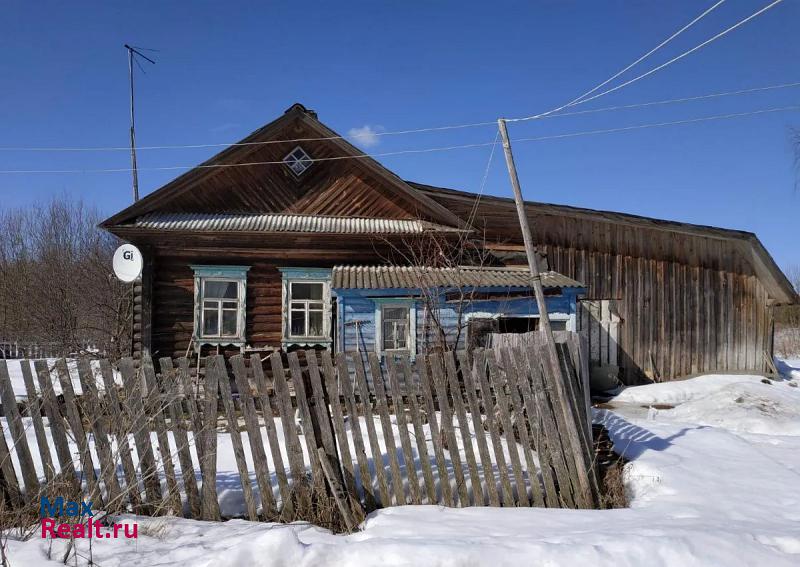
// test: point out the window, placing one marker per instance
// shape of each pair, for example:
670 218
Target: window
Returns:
220 293
395 325
395 328
298 161
307 309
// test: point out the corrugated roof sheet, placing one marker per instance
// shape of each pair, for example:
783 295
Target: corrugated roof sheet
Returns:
278 222
389 277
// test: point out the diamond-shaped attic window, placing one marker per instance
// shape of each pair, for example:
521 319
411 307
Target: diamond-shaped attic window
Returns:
298 161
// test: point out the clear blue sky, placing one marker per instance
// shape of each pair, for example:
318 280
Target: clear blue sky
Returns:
226 68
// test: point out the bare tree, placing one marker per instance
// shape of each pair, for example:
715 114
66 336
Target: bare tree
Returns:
56 285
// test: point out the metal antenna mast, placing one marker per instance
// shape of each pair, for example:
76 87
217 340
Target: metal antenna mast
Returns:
132 52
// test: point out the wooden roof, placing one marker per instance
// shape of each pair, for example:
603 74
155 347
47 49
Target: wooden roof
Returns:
619 233
338 187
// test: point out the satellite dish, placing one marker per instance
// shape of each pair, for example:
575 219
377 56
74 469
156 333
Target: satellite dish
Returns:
127 263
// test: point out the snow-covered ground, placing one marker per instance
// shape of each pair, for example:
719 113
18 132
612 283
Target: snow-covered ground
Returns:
713 481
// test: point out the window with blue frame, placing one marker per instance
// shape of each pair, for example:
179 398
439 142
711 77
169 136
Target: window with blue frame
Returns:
220 304
306 306
395 325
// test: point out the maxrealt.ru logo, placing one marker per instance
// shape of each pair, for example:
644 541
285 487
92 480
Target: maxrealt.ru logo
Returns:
82 524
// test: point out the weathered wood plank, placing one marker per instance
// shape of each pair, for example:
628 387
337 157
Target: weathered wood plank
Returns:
402 427
386 426
268 408
468 373
449 442
355 426
236 437
375 450
118 418
209 503
155 405
307 421
97 418
527 427
35 410
180 433
461 415
76 425
413 389
54 418
318 404
486 360
508 426
428 397
18 434
254 436
283 399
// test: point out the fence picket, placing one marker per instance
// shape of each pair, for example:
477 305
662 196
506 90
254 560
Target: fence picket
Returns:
372 435
155 405
487 358
412 389
307 421
209 503
346 459
54 419
446 428
254 436
513 386
236 437
76 425
386 426
463 424
402 428
35 411
321 414
96 417
141 432
468 375
428 395
180 433
267 411
18 433
355 427
284 400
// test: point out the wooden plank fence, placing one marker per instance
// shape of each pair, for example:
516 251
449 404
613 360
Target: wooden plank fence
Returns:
456 429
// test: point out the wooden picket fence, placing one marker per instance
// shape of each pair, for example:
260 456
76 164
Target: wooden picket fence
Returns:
494 427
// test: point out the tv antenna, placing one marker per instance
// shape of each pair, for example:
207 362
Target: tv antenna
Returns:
133 55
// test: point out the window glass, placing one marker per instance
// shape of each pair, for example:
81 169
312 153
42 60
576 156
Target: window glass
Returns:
306 291
298 324
220 290
210 322
229 323
315 324
395 328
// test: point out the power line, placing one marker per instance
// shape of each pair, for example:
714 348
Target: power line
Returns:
397 132
673 100
581 100
657 124
417 151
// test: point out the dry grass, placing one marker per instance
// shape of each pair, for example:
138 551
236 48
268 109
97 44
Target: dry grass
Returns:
312 503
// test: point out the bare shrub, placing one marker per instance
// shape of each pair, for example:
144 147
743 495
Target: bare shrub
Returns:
312 503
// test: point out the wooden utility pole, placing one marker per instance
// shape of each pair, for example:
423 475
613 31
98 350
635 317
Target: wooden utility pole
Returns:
580 452
530 250
132 51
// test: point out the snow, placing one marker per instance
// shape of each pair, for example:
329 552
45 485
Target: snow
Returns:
712 481
18 383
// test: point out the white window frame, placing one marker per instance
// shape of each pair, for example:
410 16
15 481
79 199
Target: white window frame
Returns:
232 274
306 309
408 304
312 276
306 161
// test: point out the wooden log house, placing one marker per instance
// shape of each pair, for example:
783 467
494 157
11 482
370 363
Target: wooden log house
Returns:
248 256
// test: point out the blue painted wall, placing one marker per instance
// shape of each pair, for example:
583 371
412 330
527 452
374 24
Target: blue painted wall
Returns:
360 306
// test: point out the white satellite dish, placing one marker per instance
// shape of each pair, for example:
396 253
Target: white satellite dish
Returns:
127 263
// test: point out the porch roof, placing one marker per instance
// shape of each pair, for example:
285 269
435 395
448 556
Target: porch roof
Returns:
411 277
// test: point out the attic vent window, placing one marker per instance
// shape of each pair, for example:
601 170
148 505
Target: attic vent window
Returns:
298 161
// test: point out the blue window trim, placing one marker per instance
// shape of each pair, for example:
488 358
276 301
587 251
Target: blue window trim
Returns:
293 274
380 303
236 273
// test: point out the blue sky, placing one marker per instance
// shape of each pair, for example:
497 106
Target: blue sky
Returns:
225 69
